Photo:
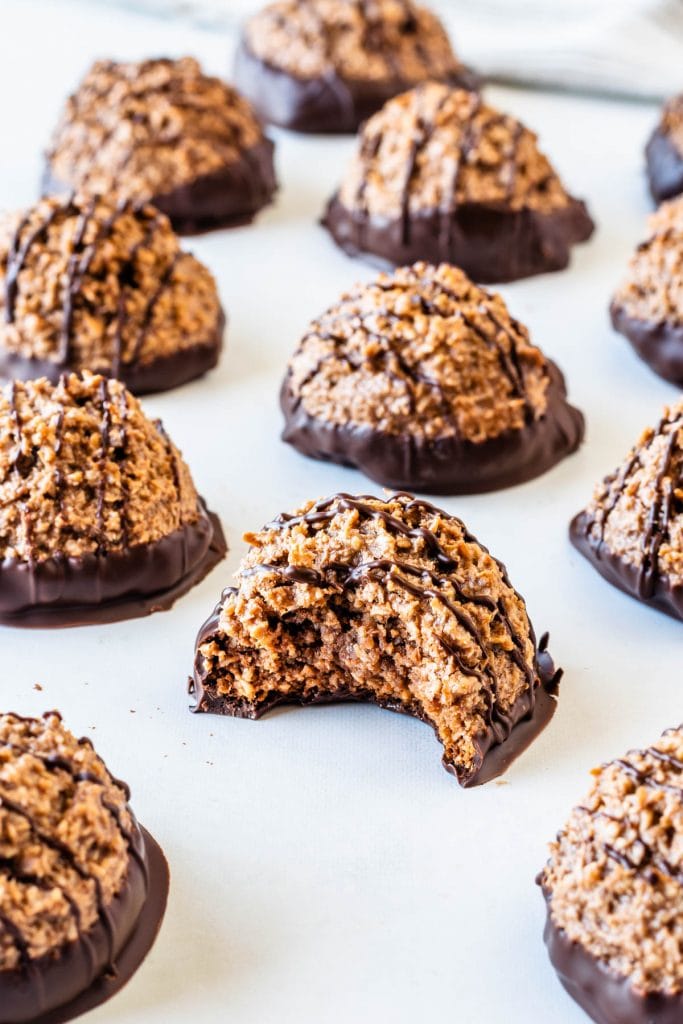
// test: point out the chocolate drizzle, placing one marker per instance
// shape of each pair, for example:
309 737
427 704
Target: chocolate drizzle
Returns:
646 580
132 839
611 991
501 238
332 102
391 347
643 860
438 584
89 234
404 575
241 179
83 971
20 245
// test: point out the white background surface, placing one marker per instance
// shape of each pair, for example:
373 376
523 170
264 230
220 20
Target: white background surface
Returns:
325 869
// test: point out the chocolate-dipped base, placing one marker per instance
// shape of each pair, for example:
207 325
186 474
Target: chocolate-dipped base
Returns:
146 378
504 739
326 105
111 586
55 989
658 343
607 997
225 198
446 465
664 167
650 588
490 243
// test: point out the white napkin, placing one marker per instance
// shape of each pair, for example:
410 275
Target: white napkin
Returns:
627 47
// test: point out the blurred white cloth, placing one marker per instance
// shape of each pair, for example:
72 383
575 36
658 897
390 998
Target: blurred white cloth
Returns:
631 47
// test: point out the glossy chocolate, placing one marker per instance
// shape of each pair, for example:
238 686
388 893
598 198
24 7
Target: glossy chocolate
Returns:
109 586
325 105
228 197
490 243
644 581
446 465
658 343
664 167
90 970
159 374
607 997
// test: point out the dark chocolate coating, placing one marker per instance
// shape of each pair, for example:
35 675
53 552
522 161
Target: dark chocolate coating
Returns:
326 105
225 198
446 465
657 591
664 167
110 586
491 243
658 343
497 747
607 997
55 989
160 374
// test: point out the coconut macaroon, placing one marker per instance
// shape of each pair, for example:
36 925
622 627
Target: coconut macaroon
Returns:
439 175
632 530
664 152
327 65
614 890
99 517
162 131
424 381
388 601
82 886
92 283
647 308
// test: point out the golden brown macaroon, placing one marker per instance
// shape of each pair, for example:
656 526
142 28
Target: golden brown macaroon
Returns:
632 529
162 131
439 175
425 382
647 308
103 285
82 886
99 517
327 65
614 890
388 601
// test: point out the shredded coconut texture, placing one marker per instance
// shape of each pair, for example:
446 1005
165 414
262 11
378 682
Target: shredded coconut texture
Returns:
42 893
622 503
615 874
82 469
93 284
385 600
140 130
437 147
422 351
375 40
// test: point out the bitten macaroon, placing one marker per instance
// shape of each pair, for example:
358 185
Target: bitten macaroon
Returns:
390 601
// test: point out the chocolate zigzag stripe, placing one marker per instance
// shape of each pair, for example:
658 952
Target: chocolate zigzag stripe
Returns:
509 361
78 266
645 858
400 571
132 839
467 141
19 248
661 512
64 590
172 91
